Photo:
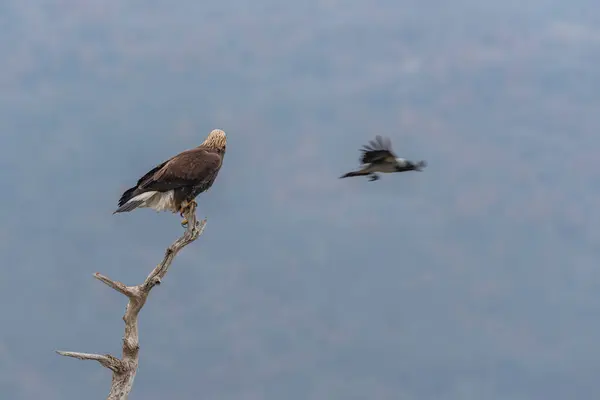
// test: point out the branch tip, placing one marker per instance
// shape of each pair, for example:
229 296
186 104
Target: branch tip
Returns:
118 286
106 360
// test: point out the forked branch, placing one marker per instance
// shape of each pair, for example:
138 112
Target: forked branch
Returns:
125 369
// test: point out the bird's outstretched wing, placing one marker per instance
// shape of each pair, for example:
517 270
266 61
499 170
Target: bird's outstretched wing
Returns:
377 150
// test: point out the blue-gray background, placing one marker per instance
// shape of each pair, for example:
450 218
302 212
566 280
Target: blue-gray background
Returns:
476 279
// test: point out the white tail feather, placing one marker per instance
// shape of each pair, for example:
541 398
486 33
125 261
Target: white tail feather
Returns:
158 201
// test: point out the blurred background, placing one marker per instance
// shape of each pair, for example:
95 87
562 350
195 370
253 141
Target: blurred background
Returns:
475 279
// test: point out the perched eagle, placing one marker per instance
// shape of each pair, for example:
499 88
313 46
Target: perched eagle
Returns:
379 157
174 184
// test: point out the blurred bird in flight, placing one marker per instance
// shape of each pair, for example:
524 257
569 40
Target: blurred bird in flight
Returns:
378 156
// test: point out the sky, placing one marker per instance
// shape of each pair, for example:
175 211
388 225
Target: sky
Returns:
474 279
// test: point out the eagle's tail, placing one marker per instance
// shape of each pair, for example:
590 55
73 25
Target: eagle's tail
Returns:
129 206
127 202
354 173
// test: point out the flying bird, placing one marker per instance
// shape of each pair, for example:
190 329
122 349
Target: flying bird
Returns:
378 156
174 184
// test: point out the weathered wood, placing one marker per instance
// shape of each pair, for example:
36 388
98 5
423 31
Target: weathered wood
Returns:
125 369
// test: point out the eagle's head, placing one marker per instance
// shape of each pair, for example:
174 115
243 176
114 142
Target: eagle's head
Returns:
216 139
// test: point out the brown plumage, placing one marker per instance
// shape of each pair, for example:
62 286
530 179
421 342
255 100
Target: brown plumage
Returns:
174 184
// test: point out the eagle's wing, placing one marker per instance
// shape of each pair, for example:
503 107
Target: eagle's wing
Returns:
195 167
378 150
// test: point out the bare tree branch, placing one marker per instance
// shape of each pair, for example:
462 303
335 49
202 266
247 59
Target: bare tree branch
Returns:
118 286
125 369
108 361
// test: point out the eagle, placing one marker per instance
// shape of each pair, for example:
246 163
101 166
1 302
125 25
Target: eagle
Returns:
174 184
378 156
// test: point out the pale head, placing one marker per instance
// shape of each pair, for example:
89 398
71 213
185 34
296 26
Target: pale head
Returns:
216 139
401 162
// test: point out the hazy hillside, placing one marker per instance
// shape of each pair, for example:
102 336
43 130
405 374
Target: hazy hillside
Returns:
476 279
